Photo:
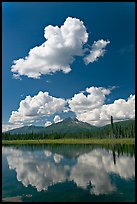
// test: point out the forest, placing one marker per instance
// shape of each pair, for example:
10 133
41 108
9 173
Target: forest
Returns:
115 130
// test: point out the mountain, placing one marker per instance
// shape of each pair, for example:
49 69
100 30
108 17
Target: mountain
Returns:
123 124
27 130
68 125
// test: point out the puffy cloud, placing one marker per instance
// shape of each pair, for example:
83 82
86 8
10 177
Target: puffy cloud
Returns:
6 127
93 110
120 109
80 103
89 106
48 123
48 168
36 107
97 50
56 53
16 76
57 119
59 50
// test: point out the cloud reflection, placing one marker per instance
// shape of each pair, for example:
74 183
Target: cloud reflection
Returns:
42 169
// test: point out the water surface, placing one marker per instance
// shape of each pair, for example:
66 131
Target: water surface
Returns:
68 173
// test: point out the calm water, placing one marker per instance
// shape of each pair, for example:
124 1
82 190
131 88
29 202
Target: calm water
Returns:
57 173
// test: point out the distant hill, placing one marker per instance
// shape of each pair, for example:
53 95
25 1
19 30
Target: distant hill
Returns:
124 123
68 125
27 130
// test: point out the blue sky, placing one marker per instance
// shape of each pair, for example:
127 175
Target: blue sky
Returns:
23 29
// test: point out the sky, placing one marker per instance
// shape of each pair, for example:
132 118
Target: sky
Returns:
67 59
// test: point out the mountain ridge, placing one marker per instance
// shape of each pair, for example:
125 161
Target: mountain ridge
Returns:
68 125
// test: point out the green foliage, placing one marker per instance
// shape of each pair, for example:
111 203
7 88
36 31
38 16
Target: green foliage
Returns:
95 141
125 129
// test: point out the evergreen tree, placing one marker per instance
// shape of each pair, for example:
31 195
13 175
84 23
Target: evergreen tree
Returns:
112 126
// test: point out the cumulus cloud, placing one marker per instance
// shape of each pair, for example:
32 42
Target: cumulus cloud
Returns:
36 107
57 52
91 108
6 127
97 50
48 168
57 119
16 76
48 123
94 99
120 109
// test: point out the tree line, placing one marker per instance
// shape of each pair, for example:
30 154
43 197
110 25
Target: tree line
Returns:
115 130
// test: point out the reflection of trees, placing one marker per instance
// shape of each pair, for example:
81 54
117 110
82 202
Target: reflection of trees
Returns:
68 150
121 149
77 149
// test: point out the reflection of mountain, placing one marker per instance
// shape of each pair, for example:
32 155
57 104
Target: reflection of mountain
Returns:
44 168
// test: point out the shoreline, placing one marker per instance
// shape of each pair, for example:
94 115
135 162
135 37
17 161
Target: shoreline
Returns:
73 141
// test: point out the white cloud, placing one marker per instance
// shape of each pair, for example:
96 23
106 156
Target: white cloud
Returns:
16 76
59 50
93 110
6 127
48 123
120 109
80 103
89 106
56 53
97 50
34 108
57 119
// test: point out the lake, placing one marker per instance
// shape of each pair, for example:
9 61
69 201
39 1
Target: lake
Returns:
68 173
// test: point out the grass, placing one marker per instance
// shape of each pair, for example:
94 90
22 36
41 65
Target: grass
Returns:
73 141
